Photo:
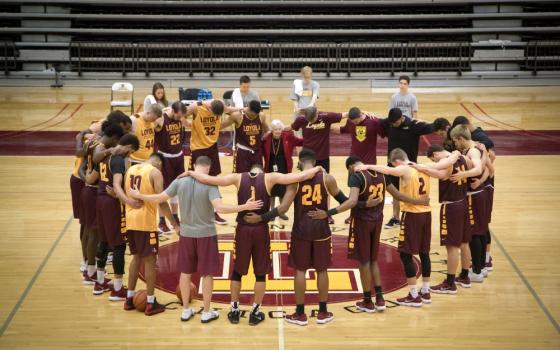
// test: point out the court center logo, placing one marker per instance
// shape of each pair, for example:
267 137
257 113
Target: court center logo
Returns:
344 276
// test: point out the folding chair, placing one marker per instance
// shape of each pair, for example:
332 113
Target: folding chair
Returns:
120 89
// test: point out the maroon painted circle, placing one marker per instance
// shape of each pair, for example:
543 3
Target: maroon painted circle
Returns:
348 279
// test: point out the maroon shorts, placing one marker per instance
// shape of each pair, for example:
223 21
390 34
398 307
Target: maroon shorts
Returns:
243 160
478 212
142 243
306 254
490 194
172 167
415 233
89 207
251 242
213 154
454 227
199 255
76 186
363 240
110 220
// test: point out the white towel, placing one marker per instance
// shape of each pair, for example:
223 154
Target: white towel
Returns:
237 98
298 87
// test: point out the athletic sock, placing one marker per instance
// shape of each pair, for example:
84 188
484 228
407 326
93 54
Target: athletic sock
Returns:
151 299
413 291
235 305
487 257
450 278
378 291
161 220
91 270
255 308
367 297
425 287
300 309
130 293
117 284
176 216
100 276
322 306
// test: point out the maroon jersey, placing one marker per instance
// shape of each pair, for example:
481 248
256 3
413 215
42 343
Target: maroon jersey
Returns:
316 135
473 178
252 186
311 194
171 137
372 185
249 133
108 167
90 148
364 138
450 191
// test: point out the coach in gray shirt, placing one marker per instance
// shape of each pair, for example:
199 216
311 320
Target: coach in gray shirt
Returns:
305 91
404 99
198 242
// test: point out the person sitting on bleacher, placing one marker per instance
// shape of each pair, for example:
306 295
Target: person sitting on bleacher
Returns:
157 97
243 95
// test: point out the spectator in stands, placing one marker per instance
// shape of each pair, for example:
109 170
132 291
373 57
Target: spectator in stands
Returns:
157 97
404 99
305 91
243 95
278 149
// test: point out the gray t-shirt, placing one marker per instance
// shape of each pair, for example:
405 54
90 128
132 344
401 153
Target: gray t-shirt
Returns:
250 96
197 212
407 103
306 96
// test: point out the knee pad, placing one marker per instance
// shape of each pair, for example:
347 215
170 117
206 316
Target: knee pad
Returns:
101 256
260 278
235 276
118 259
409 268
426 265
174 200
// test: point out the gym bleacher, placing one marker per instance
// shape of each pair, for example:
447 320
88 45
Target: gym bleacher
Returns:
280 36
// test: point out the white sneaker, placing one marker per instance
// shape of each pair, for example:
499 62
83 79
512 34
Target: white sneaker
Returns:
209 316
83 266
477 278
484 272
110 258
187 314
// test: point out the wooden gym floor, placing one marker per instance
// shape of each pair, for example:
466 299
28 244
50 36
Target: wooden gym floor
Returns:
43 303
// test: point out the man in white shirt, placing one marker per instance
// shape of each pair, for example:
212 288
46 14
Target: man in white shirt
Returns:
404 99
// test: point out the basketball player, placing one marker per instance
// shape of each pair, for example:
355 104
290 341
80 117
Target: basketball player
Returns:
310 244
316 128
250 125
110 215
143 127
169 139
416 221
111 135
198 243
455 232
479 135
205 132
141 226
252 241
478 199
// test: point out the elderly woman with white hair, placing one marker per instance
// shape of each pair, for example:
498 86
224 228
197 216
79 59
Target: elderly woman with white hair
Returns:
278 150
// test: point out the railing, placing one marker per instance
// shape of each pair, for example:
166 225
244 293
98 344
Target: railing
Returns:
542 55
8 56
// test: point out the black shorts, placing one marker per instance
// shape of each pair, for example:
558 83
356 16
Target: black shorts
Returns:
325 163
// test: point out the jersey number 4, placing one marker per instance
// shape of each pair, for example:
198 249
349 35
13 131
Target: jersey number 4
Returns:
311 195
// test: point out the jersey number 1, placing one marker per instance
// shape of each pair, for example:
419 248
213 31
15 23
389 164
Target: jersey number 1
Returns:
135 181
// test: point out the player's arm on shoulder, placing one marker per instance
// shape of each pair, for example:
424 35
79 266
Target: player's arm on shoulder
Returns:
100 152
400 170
477 166
231 119
225 180
264 123
431 171
80 141
401 197
223 208
290 178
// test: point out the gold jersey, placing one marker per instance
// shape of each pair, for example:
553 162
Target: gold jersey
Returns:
205 128
78 161
417 187
145 217
145 132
